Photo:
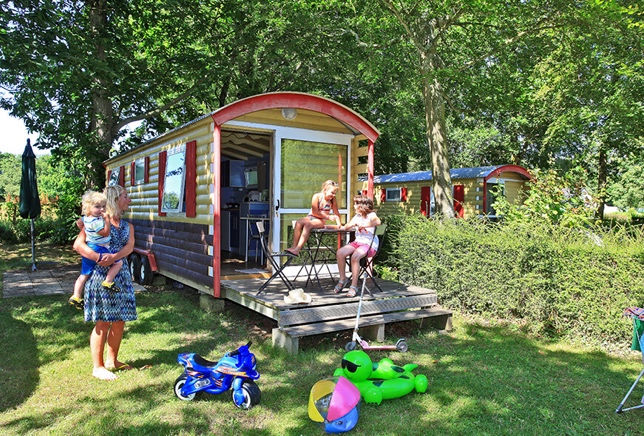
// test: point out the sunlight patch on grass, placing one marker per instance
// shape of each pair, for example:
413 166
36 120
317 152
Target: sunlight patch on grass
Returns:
483 379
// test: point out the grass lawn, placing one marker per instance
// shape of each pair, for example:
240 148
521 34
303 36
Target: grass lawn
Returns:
484 378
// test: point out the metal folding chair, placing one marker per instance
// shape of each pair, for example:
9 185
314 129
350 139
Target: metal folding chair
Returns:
637 316
366 263
272 259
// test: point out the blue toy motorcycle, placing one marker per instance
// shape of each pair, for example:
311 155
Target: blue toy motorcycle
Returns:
236 369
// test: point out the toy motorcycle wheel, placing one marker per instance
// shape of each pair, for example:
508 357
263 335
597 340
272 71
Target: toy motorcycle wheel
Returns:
248 396
402 346
350 346
178 384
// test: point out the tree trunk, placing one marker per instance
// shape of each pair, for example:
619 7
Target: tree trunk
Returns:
436 137
102 122
601 183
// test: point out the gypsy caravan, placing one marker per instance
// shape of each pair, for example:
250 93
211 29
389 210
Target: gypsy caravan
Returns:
197 189
473 190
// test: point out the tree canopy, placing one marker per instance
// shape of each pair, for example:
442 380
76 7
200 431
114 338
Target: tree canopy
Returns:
543 84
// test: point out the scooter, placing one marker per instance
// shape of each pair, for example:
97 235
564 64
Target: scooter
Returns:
236 370
401 344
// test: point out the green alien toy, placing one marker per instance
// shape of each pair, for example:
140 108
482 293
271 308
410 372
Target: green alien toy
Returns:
382 380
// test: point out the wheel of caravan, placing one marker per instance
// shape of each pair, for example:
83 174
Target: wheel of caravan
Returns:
145 272
135 265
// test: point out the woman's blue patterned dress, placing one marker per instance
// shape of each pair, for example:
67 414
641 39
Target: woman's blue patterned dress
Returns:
102 304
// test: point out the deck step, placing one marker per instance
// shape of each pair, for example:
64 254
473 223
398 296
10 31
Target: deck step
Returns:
329 312
349 324
292 317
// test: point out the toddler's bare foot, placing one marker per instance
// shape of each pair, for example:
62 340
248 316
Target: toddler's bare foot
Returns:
103 374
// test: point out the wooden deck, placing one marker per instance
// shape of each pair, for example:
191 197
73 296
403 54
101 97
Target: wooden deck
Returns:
330 312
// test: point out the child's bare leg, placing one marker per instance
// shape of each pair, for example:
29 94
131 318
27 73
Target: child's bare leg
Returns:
297 233
341 256
111 274
79 286
355 265
113 271
306 232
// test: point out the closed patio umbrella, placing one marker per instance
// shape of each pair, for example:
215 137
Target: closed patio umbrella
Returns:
29 199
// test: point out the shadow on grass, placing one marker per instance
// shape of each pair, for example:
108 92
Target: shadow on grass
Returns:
18 361
483 379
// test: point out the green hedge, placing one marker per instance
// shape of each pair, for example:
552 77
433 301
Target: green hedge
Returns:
558 282
57 231
55 225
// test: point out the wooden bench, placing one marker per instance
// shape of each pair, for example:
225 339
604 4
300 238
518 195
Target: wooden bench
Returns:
295 323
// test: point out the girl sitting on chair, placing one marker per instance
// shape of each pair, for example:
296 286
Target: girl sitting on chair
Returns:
324 207
365 222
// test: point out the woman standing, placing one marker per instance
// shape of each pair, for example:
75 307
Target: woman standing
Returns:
110 309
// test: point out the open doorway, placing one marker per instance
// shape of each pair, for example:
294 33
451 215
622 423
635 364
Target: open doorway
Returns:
245 195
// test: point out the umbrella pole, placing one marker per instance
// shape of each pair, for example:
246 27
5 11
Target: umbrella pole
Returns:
33 247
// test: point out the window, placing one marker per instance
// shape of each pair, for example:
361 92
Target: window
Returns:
139 170
250 177
173 187
308 164
393 194
493 190
114 177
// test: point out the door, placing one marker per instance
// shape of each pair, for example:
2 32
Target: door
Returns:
427 206
301 162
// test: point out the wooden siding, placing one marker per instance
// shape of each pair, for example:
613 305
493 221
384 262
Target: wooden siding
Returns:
514 185
144 196
171 241
359 153
305 120
169 236
472 198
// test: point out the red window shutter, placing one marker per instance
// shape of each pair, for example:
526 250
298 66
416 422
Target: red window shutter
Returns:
459 197
146 177
122 176
132 171
163 157
383 195
403 194
191 179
